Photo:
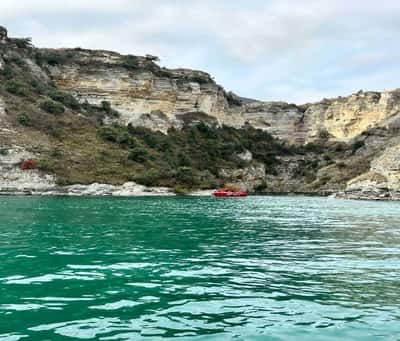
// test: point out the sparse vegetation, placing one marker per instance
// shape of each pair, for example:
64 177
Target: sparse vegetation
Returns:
24 119
108 110
179 190
193 156
52 107
17 88
22 43
357 145
130 62
46 165
7 72
232 99
139 154
49 57
65 98
323 134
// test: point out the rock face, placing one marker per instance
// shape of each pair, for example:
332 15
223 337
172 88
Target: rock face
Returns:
342 119
125 190
248 177
356 149
280 119
150 96
13 180
382 181
345 118
143 89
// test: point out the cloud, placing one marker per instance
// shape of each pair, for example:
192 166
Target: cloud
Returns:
270 49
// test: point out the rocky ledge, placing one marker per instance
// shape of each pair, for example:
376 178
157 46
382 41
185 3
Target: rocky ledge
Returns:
128 189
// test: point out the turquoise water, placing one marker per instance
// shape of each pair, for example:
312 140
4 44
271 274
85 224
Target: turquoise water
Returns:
256 268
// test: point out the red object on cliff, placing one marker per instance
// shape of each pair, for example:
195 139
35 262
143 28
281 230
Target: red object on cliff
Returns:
28 164
230 192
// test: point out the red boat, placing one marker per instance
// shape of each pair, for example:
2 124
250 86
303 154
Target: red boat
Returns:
230 192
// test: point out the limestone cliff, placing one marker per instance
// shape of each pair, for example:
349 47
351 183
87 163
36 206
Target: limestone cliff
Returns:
148 95
141 91
341 119
72 107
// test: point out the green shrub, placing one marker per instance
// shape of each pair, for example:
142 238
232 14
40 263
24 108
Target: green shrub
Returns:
117 134
179 190
149 178
46 165
232 99
106 107
357 145
341 164
17 88
24 119
7 72
323 134
198 78
22 43
130 62
38 86
108 134
339 147
261 187
195 154
52 107
17 60
56 153
65 98
139 154
314 147
184 159
124 138
50 57
187 176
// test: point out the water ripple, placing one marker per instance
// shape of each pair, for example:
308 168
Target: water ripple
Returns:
279 268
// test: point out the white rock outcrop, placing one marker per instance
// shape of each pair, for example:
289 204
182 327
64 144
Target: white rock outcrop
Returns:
13 180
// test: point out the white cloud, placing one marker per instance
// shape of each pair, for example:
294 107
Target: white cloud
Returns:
295 50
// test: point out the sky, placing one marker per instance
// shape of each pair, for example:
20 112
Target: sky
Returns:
288 50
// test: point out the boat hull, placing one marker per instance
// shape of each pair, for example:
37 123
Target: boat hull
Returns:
229 195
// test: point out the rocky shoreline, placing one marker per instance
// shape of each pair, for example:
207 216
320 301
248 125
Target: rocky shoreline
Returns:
126 190
132 189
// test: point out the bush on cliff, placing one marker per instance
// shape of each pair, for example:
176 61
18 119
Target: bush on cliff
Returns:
130 62
357 145
118 134
22 43
194 155
46 165
7 72
52 107
39 87
186 176
24 119
106 107
65 98
51 58
17 88
150 177
139 154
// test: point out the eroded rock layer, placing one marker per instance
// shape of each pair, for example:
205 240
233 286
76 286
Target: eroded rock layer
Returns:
140 90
